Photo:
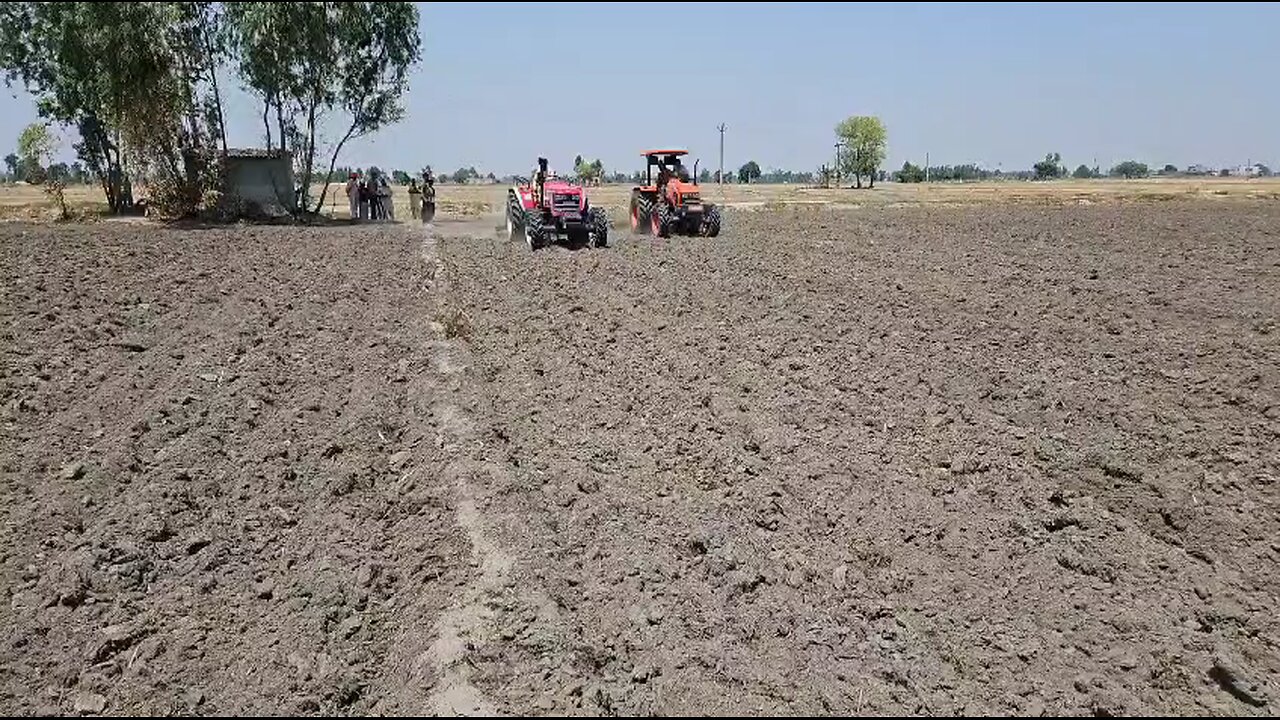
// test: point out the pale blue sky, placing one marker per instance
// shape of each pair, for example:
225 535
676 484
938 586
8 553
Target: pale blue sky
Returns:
994 84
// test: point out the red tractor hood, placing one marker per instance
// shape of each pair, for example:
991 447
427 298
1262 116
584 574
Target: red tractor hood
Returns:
560 186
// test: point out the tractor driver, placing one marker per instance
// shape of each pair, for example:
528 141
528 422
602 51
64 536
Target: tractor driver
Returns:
679 171
429 180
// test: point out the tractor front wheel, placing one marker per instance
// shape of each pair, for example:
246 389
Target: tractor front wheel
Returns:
515 218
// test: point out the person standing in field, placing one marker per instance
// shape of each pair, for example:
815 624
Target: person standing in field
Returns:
385 199
353 195
364 199
415 199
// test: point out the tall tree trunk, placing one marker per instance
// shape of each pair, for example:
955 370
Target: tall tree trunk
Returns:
304 192
871 176
217 95
280 121
266 122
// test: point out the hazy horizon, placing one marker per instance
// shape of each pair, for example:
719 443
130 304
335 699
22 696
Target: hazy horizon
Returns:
989 84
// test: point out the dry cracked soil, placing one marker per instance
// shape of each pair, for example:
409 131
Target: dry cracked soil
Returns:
989 460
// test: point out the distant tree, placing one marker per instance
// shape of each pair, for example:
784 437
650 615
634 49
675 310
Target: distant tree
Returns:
865 138
1224 173
58 172
35 148
705 175
400 177
577 164
1263 170
1170 169
465 175
909 174
374 171
491 177
590 172
1082 172
748 172
1050 168
11 165
1130 169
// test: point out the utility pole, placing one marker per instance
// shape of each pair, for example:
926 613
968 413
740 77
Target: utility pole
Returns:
836 169
926 167
721 129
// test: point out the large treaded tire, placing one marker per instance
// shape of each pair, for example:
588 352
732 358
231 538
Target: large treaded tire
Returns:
598 227
515 218
534 232
711 222
641 206
660 220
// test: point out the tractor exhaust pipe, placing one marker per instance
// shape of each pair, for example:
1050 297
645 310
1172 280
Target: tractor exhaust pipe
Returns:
695 169
541 180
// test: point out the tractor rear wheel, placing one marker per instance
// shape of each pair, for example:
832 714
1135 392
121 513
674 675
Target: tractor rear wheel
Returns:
660 220
711 222
641 207
534 233
598 226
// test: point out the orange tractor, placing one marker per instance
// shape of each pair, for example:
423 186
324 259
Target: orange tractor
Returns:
671 203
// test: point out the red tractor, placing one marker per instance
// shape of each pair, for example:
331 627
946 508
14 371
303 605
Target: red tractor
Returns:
546 209
671 203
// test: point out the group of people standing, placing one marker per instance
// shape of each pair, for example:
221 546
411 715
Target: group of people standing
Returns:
370 197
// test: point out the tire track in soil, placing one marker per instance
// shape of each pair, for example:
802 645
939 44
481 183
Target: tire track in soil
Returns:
470 617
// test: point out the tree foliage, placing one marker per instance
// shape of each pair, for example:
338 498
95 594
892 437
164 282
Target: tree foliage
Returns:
325 58
140 81
865 140
909 174
749 171
35 152
136 79
1130 169
1050 168
463 175
591 172
1082 172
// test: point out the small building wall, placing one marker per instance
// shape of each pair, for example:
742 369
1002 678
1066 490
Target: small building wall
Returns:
262 182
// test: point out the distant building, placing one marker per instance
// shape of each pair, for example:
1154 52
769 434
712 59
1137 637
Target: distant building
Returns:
261 179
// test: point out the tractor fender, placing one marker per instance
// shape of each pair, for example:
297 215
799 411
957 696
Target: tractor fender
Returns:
523 196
